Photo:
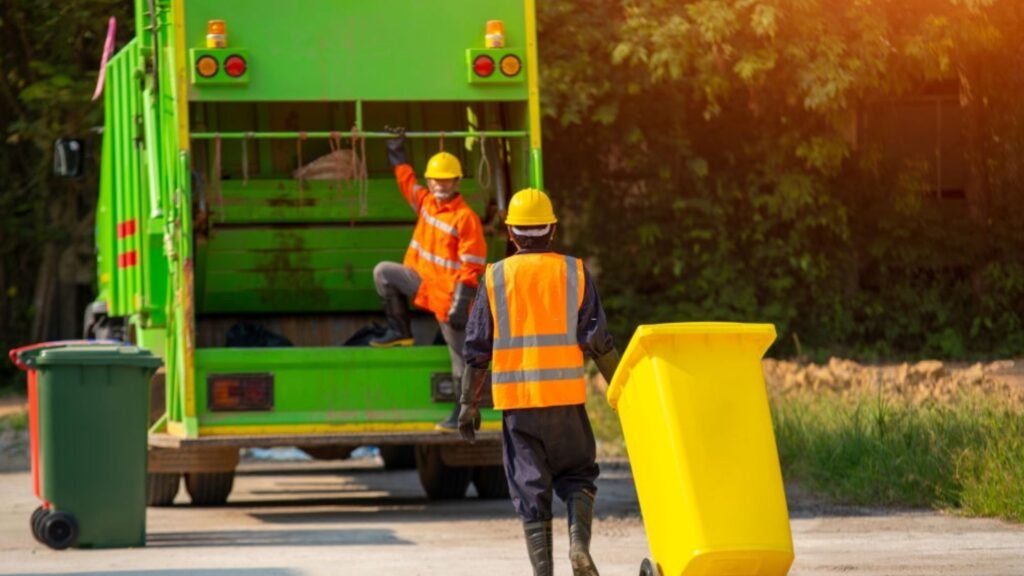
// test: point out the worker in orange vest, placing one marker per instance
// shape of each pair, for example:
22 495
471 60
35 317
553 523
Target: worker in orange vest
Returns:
443 263
536 318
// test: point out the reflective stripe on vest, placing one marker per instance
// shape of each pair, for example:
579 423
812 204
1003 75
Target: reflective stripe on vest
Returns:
439 224
431 257
536 370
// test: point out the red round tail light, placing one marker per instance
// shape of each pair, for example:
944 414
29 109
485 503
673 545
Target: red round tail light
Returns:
235 66
483 66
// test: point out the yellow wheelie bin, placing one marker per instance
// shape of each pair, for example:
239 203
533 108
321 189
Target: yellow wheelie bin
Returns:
694 410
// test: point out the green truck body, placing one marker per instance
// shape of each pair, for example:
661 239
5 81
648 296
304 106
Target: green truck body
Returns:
203 224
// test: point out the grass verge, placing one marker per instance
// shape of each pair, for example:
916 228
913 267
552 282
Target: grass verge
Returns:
964 455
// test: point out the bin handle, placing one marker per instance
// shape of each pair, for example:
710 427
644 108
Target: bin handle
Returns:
15 353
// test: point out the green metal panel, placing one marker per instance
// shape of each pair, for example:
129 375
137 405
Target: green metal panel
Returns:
319 201
358 49
296 269
120 182
331 385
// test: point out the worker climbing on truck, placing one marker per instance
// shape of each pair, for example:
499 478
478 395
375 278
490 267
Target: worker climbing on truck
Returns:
538 314
443 263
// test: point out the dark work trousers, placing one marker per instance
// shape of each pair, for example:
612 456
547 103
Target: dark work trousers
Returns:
547 448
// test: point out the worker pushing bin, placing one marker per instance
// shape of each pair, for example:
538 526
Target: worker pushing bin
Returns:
694 411
87 428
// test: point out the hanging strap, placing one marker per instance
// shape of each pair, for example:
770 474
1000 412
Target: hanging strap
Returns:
245 159
302 176
485 165
217 175
359 169
339 177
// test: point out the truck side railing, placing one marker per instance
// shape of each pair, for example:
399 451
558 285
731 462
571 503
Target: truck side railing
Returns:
333 134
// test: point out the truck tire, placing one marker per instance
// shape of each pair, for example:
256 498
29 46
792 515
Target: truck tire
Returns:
490 482
162 488
440 481
209 488
400 457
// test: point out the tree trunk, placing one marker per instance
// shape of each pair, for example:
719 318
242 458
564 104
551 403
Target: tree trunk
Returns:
42 302
972 103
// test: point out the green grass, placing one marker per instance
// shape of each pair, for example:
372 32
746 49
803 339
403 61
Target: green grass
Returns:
966 455
605 422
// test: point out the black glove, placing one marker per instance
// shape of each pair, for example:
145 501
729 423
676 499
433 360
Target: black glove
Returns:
469 422
607 363
458 314
396 146
472 389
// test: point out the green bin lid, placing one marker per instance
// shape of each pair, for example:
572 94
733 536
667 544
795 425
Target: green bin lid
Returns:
99 354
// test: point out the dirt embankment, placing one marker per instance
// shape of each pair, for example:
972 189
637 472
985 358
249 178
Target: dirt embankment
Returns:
926 382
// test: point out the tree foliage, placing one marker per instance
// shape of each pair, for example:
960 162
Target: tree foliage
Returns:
49 58
710 154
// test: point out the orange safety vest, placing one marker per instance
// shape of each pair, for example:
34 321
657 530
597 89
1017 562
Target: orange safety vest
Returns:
535 303
447 245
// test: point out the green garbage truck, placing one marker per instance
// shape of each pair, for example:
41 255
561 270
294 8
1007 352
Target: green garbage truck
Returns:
245 188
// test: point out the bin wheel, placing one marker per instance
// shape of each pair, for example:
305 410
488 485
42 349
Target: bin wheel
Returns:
59 530
649 568
38 515
161 488
490 482
439 480
209 488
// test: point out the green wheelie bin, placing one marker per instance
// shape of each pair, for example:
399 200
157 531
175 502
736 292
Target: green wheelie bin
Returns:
93 408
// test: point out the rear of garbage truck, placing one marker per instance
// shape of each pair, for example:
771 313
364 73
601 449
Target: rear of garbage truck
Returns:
246 197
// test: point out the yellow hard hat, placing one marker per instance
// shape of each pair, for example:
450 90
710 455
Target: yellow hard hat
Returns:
443 166
530 207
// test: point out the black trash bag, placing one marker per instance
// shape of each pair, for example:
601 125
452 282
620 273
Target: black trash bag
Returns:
363 336
250 335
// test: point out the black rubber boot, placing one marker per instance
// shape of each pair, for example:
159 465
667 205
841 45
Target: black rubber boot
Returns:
581 517
539 547
451 423
399 332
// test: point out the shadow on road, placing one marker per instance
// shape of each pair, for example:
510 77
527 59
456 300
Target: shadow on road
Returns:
190 572
335 537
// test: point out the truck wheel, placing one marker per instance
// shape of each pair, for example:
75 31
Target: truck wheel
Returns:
209 488
440 481
490 482
398 457
161 488
59 530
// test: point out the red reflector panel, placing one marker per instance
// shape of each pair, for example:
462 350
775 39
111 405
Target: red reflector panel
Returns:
240 392
483 66
235 66
127 228
128 259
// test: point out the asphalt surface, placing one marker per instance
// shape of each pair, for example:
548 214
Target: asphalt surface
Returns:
352 518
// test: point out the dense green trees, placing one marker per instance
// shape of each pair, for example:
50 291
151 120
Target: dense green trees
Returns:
723 160
49 58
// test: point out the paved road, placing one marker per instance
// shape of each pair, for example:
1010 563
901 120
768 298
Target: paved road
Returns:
314 519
